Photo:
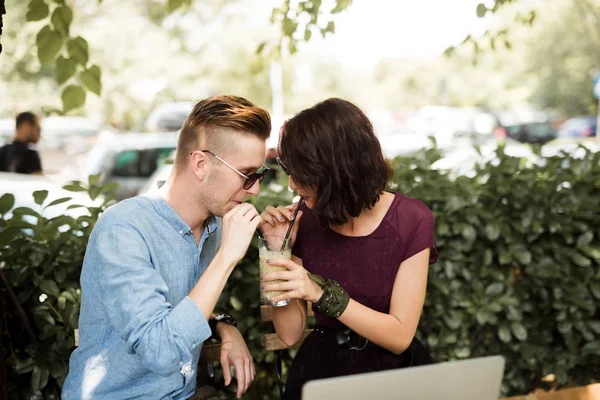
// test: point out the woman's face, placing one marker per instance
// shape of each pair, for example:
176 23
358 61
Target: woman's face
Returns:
307 194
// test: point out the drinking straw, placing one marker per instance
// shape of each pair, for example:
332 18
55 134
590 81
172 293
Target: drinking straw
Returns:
287 235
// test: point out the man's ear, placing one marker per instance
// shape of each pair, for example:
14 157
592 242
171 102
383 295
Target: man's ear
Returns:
199 164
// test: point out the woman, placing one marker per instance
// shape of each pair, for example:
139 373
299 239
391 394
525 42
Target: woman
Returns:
360 253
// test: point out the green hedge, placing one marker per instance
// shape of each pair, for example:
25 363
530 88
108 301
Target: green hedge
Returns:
518 275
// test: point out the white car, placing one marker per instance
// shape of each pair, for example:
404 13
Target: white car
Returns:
22 187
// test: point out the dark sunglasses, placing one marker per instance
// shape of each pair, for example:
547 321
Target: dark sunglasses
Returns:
283 167
250 178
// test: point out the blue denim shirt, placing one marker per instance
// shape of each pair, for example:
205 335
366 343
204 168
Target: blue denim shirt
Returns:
139 334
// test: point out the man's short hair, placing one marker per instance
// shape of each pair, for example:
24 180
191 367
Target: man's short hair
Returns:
26 116
205 127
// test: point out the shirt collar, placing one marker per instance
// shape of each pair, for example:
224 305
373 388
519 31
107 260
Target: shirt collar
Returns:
165 210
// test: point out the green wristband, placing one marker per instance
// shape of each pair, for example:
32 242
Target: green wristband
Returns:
334 300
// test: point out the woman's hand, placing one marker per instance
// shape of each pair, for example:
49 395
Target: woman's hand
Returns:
277 221
297 284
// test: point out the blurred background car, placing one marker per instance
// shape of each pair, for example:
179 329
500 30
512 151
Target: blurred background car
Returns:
530 132
7 130
168 116
579 127
22 187
129 159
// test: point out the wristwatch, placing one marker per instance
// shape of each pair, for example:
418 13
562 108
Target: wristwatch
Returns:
212 322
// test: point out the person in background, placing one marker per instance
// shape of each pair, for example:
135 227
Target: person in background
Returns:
360 253
18 156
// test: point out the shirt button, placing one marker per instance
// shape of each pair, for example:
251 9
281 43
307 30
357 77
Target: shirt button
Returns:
180 232
187 368
194 346
180 363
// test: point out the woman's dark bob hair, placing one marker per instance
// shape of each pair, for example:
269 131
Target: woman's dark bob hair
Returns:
331 148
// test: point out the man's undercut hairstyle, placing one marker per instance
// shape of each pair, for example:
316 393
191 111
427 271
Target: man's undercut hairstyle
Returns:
210 123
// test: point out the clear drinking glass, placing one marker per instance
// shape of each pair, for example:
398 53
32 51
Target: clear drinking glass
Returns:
268 248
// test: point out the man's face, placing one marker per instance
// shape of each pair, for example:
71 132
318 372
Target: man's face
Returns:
225 187
33 131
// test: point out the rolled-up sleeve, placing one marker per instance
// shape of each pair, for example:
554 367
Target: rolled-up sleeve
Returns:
135 297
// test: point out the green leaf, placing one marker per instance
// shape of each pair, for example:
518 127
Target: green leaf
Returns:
481 317
469 233
504 333
488 257
37 10
26 211
93 179
592 348
78 50
173 5
59 201
595 289
91 78
595 326
519 331
65 68
463 352
25 366
580 260
261 48
492 231
592 252
523 256
7 202
48 43
494 289
73 97
307 34
72 206
39 196
330 27
39 378
505 257
235 303
110 187
75 187
481 10
585 239
61 19
50 287
68 296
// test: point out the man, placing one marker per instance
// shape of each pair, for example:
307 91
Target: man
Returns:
17 156
156 264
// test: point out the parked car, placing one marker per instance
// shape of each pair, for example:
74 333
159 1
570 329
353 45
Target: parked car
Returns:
72 135
168 116
579 127
447 124
7 130
528 132
22 187
129 159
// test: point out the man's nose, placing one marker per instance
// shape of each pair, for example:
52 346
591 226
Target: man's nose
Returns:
254 189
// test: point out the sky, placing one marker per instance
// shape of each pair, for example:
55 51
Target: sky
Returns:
374 29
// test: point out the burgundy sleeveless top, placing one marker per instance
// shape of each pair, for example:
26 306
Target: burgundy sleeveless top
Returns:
366 266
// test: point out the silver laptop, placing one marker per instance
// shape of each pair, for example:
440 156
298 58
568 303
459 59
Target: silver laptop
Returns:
474 379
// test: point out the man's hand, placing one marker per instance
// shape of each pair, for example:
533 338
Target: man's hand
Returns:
234 352
239 225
